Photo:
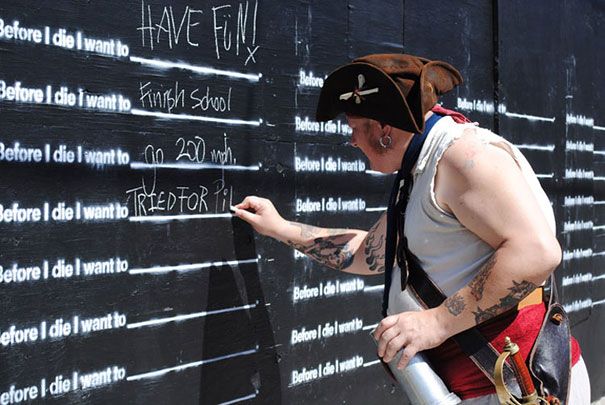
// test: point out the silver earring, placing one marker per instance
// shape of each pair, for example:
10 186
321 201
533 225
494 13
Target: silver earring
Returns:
385 141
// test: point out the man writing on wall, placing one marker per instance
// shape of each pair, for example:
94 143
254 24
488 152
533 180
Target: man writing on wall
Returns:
473 215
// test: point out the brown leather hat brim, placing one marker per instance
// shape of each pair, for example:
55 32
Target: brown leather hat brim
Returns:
388 105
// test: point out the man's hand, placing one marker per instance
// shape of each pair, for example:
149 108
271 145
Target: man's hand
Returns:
411 331
262 215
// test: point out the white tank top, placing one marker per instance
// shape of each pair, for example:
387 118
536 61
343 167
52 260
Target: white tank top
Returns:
448 252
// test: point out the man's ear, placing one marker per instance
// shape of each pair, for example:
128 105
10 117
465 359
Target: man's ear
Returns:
386 129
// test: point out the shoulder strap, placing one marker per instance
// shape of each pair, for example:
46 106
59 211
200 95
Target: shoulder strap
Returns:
397 203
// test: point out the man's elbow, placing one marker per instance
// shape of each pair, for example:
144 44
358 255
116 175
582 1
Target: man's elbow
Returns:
547 254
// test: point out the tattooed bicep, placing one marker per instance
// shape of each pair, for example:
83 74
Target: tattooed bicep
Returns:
374 246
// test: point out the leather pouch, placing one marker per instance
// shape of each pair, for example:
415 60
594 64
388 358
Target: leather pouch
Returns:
550 358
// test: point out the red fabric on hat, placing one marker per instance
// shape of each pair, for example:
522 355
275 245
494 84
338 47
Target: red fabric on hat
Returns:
464 378
456 116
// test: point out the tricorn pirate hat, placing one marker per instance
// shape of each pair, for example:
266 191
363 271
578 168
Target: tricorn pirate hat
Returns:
395 89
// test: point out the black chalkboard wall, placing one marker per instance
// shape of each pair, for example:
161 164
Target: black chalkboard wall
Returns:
127 128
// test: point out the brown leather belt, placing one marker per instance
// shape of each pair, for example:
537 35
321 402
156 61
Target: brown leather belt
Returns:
535 297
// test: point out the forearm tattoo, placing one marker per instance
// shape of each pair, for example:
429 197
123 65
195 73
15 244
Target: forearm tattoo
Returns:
333 251
455 304
312 232
517 292
477 284
374 250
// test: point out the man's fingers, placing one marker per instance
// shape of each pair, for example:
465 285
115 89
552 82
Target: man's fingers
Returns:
385 339
393 347
249 202
385 324
247 216
406 356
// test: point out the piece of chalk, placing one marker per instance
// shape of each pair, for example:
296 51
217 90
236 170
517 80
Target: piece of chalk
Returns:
232 208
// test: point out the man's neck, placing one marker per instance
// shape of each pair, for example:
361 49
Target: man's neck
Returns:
407 136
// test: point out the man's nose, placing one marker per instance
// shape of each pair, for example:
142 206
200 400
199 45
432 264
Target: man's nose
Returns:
353 140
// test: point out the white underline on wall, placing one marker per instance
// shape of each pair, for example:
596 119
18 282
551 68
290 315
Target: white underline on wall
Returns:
598 227
371 363
529 117
599 152
545 175
599 202
373 288
598 178
189 267
599 253
192 166
377 173
164 218
186 317
230 121
163 371
548 148
594 304
599 128
602 276
374 209
162 64
240 399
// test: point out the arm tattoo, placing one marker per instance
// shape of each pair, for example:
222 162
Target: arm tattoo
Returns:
333 251
312 232
374 250
455 304
477 284
306 231
518 291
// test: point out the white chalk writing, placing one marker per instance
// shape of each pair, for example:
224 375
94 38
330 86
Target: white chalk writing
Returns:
63 38
482 106
326 369
579 146
329 127
63 97
326 330
579 174
171 98
572 226
233 27
577 254
61 269
309 80
60 328
61 212
329 204
328 165
572 201
327 289
579 120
